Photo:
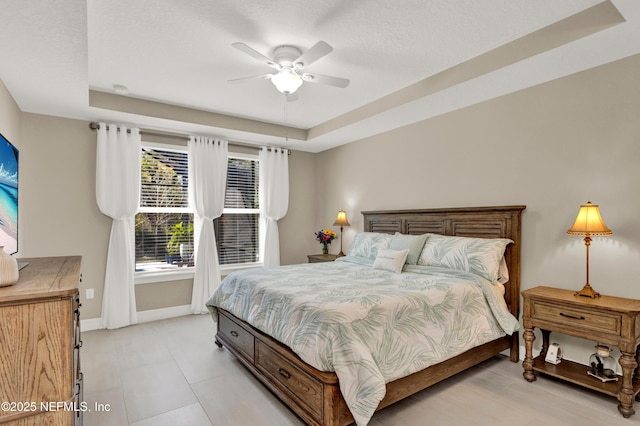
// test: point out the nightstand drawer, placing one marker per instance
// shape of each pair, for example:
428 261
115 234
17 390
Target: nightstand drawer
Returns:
609 323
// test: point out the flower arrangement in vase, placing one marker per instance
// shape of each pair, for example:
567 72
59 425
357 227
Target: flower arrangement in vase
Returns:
325 236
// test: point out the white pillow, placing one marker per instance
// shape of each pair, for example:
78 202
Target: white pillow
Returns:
480 256
390 260
367 244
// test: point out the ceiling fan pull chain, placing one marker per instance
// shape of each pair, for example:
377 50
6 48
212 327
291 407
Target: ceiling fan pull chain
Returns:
284 113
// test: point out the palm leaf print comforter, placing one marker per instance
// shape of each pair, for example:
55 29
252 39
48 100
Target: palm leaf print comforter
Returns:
369 326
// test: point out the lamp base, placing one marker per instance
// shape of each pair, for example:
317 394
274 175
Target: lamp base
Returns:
341 254
587 291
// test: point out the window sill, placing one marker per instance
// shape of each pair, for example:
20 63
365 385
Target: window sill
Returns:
175 273
157 275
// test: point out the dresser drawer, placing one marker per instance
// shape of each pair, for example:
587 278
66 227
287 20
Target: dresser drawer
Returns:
610 323
297 384
237 336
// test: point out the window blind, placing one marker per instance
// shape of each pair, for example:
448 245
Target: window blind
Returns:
238 229
164 224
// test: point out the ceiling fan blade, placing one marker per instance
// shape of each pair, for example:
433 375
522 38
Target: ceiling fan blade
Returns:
255 54
325 79
314 53
263 76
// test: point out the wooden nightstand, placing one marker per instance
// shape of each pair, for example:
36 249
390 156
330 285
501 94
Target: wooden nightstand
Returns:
318 258
610 320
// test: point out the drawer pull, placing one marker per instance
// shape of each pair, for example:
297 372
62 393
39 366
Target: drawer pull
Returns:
234 333
284 373
571 316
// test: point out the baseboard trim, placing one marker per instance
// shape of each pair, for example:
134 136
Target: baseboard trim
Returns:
91 324
143 316
163 313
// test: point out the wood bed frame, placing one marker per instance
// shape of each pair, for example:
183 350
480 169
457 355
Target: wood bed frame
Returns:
315 395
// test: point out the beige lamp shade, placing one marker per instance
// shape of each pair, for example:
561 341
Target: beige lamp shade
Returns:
589 222
341 220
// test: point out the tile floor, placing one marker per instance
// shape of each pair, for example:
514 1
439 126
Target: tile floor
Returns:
171 373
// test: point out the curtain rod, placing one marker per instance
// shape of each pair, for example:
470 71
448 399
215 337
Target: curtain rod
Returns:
95 126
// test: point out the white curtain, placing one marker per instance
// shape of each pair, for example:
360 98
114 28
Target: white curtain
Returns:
118 196
274 175
207 183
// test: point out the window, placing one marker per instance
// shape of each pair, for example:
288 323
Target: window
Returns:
164 227
164 223
237 230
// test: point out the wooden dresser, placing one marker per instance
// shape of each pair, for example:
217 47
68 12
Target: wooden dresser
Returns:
40 378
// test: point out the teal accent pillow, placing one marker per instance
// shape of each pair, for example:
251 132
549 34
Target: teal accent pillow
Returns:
414 243
480 256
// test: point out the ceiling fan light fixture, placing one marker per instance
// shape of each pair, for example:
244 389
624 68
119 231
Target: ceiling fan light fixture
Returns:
287 81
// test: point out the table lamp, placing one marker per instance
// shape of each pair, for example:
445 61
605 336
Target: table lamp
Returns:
342 221
588 223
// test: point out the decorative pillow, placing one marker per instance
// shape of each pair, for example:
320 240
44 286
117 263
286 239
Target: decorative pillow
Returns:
367 244
414 243
390 260
480 256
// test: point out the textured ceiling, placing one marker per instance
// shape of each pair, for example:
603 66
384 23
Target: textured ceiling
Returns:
407 60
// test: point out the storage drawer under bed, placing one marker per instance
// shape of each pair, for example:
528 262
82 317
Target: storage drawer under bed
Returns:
290 379
235 334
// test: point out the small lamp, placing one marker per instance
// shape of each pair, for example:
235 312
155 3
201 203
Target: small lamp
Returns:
342 221
588 223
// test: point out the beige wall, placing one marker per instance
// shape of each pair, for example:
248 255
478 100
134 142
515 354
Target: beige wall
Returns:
297 227
550 147
57 199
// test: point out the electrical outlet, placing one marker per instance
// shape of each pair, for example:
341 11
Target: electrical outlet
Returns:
89 293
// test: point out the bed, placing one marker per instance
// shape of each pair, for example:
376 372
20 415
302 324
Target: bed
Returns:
316 395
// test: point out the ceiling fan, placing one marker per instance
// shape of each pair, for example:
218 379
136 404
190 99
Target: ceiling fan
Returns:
289 62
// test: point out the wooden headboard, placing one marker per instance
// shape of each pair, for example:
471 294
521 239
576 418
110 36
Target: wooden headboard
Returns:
478 222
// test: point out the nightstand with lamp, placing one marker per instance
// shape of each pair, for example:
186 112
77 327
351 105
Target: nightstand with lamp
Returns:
585 314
